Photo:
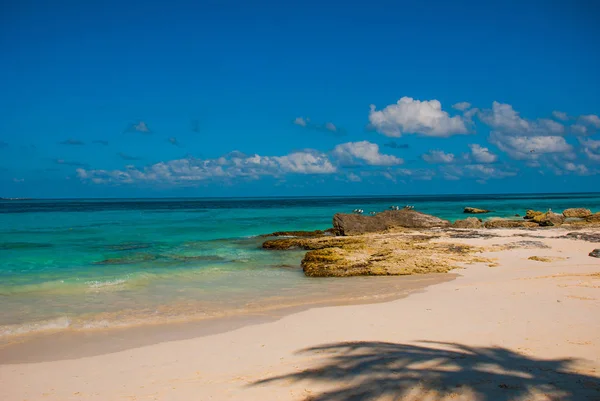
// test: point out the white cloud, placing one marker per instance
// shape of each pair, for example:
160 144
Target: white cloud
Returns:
481 154
590 143
503 118
354 178
475 171
578 169
591 148
139 127
579 129
559 115
410 116
300 121
351 152
235 165
462 106
330 127
590 119
486 171
438 156
529 147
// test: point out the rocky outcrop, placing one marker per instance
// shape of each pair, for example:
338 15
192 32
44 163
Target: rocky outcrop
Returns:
590 237
549 219
577 212
540 258
506 223
595 253
474 210
470 222
315 233
594 218
354 224
530 214
387 255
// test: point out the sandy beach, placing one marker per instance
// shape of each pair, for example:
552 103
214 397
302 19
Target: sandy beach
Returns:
522 330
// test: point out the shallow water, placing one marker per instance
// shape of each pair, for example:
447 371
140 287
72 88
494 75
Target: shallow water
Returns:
77 264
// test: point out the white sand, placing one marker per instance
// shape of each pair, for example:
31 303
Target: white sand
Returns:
513 325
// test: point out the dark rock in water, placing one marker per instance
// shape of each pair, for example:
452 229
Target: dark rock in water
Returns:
530 214
470 222
590 237
23 245
517 215
302 243
474 210
354 224
198 258
128 246
127 260
506 223
549 219
595 253
577 212
315 233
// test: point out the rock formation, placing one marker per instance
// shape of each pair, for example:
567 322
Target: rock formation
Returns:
354 224
386 255
595 253
506 223
530 214
474 210
577 212
549 219
469 222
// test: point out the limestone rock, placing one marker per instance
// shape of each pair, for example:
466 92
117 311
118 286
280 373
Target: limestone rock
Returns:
549 219
474 210
470 222
594 218
315 233
577 212
506 223
387 255
595 253
530 214
354 224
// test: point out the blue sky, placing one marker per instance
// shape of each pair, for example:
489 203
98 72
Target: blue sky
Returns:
259 98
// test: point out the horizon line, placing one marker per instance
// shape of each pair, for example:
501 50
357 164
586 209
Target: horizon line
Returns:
299 196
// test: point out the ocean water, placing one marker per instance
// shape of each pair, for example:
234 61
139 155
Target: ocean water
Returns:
88 264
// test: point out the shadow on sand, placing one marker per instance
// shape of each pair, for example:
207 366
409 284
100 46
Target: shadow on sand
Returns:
361 371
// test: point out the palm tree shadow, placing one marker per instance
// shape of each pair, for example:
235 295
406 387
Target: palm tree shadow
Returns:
361 371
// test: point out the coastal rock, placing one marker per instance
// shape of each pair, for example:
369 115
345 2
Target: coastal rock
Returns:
315 233
506 223
594 218
304 243
589 237
577 212
474 210
354 224
386 255
595 253
470 222
530 214
540 258
549 219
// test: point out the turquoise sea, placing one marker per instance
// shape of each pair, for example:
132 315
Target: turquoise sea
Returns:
86 264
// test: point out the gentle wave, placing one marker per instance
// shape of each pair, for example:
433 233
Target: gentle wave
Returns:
107 283
57 324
